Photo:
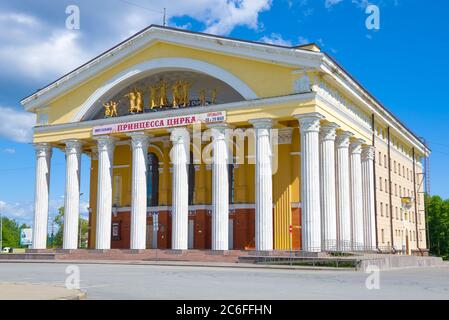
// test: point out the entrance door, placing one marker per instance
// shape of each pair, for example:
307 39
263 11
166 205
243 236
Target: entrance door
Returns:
231 234
191 233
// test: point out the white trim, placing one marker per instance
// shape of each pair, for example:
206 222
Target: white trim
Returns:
120 166
296 205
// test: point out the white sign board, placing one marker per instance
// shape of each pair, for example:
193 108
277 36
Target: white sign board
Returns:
176 121
26 236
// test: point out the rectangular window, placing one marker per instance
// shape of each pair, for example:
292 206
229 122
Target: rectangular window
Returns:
380 183
382 235
386 210
385 160
380 158
381 209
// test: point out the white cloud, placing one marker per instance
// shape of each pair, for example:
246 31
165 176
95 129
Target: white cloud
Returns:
229 14
361 3
330 3
277 39
9 150
302 40
22 212
34 48
31 49
16 125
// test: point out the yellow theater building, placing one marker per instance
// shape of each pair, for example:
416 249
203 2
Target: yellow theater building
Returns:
205 142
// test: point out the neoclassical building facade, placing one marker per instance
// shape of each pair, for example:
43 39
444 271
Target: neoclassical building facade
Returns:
204 142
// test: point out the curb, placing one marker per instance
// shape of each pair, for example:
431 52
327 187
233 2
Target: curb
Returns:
182 264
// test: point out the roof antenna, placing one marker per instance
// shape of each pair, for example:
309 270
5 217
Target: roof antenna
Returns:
164 23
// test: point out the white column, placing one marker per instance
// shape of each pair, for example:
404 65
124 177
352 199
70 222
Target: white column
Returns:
72 193
139 142
309 125
368 196
355 149
343 191
327 183
43 159
106 146
264 193
220 188
180 191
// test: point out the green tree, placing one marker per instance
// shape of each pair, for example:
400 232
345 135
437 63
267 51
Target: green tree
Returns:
57 240
438 220
11 233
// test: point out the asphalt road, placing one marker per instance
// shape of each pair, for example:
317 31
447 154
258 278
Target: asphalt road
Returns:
182 282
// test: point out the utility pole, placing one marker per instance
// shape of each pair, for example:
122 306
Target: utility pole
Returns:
164 20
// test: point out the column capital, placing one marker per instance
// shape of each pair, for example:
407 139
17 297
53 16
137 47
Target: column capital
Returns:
139 139
179 134
368 152
263 123
105 142
343 139
328 131
309 122
72 146
356 146
43 149
218 130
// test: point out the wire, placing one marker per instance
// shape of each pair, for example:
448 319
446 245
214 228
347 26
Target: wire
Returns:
140 6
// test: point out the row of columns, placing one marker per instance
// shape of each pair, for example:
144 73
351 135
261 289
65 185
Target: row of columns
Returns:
337 188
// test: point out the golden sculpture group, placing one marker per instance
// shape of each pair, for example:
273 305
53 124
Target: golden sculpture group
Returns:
158 97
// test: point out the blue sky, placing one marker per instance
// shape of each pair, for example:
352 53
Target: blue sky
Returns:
404 64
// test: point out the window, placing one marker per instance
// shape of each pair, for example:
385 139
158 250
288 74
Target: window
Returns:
385 160
152 180
380 183
382 235
386 210
395 190
394 166
397 213
380 158
386 186
403 171
381 209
